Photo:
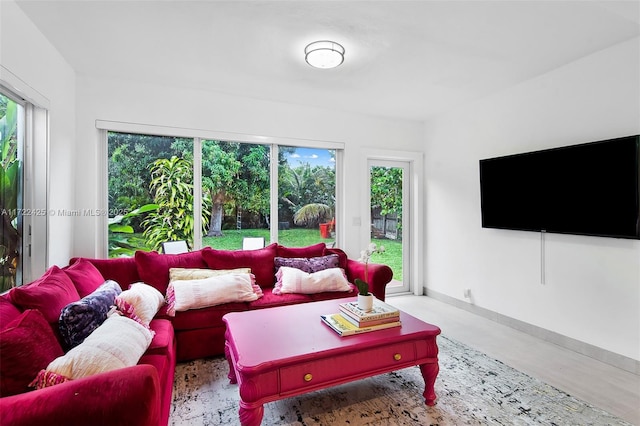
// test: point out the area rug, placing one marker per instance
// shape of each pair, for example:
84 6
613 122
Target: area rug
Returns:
472 389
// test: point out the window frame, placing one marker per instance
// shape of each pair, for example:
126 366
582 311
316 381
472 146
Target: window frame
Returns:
198 135
34 121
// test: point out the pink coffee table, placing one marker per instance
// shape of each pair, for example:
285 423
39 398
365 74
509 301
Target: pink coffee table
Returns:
281 352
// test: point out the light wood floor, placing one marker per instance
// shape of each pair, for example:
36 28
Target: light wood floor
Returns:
610 388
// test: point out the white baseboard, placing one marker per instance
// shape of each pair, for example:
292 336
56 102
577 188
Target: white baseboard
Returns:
603 355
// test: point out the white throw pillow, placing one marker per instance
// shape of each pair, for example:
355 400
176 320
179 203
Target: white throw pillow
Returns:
196 294
292 280
119 342
181 274
145 300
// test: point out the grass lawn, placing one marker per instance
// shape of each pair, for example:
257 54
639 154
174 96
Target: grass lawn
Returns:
298 237
391 257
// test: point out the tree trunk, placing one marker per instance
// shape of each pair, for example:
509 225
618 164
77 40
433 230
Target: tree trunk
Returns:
215 223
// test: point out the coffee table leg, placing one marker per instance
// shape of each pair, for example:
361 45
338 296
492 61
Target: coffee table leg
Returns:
429 374
250 416
232 371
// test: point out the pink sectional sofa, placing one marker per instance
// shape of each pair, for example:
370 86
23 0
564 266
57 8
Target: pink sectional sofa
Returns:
139 394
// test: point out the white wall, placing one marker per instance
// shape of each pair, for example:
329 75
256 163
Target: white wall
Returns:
142 103
30 64
592 290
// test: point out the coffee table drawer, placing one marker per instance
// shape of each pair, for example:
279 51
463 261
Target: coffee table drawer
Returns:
313 374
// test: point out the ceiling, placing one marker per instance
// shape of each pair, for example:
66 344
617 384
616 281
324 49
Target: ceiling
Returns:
404 59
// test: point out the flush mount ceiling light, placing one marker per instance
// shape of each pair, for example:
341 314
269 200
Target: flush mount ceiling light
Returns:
324 54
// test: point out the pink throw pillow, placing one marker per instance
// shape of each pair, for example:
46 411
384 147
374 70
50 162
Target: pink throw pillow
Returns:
8 312
342 256
260 261
85 276
48 294
309 251
27 345
122 270
153 267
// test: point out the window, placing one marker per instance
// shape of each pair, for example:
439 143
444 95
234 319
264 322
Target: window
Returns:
11 191
307 196
236 182
150 196
212 192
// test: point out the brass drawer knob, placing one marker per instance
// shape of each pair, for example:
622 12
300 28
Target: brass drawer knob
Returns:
308 377
397 357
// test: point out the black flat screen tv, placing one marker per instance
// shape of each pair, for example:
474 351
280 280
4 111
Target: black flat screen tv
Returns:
586 189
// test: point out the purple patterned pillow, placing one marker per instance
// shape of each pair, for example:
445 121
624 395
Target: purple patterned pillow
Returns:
308 265
79 319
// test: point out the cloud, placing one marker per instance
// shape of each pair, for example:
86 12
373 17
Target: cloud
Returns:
311 156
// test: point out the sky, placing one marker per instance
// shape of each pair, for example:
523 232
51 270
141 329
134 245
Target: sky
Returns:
313 156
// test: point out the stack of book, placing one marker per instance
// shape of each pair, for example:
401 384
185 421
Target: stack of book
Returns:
353 320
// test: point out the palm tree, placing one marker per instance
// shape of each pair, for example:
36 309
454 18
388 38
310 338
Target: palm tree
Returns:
312 214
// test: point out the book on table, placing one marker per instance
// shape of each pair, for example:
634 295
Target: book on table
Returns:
338 323
380 314
369 323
